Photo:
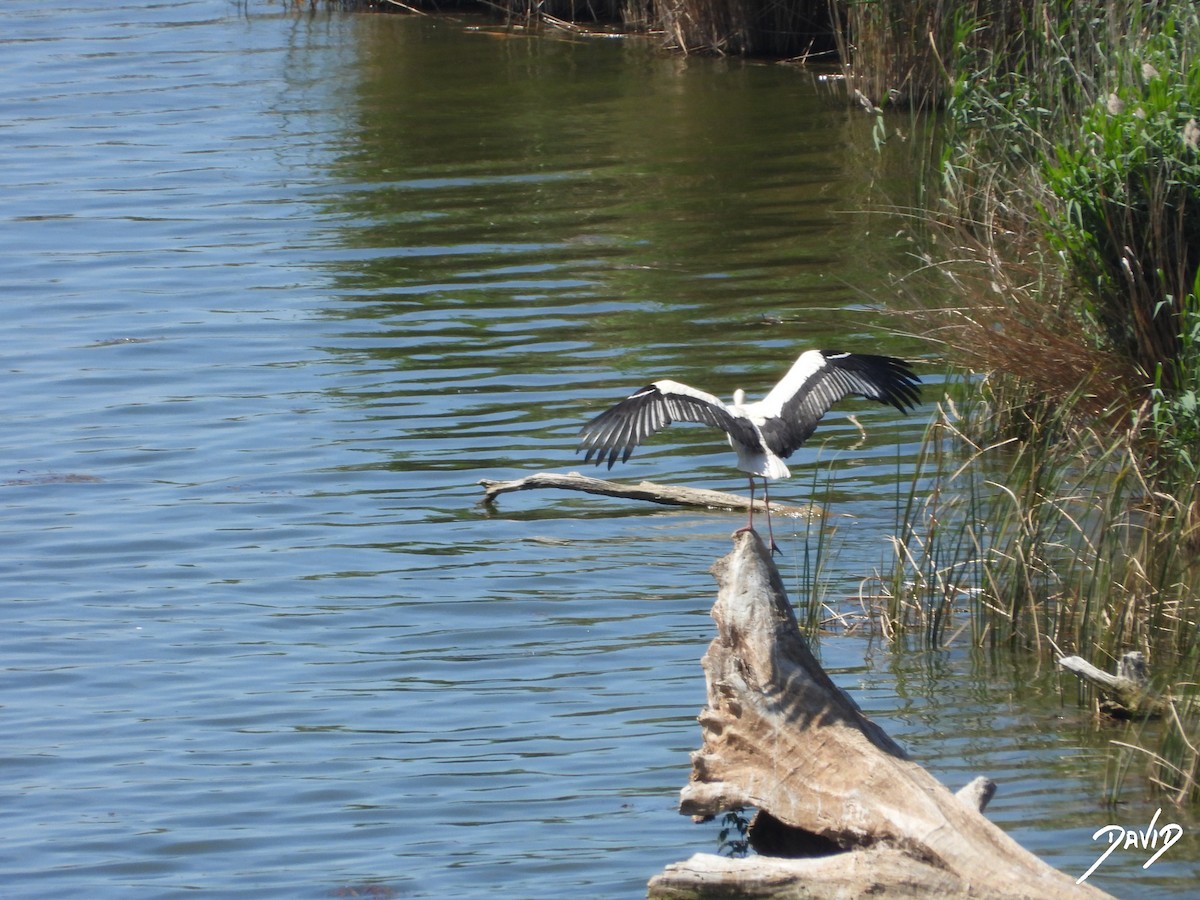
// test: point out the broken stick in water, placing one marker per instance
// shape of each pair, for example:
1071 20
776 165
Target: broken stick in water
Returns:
654 493
1125 695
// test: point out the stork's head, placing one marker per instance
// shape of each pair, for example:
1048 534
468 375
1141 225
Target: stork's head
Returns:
739 397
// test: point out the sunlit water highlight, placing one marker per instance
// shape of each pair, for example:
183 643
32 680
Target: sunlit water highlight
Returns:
278 290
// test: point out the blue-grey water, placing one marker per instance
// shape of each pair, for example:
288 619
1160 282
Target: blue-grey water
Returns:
278 288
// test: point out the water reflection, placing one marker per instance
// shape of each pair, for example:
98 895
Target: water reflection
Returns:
280 289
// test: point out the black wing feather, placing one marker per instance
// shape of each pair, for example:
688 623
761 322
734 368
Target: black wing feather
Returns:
885 379
614 433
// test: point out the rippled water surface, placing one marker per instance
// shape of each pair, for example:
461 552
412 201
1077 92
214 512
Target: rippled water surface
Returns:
278 290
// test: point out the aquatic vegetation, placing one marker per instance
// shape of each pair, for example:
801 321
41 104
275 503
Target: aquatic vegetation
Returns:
799 28
1059 507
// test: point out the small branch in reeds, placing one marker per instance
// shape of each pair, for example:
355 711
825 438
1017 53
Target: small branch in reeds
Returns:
1124 695
406 7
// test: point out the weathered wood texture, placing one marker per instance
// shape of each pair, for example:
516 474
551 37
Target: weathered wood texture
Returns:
780 736
1125 695
646 490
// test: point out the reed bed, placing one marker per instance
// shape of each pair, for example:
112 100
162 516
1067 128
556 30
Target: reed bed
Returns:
1057 508
1039 543
764 28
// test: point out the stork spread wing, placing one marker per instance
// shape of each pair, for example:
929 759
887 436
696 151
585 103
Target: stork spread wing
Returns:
613 434
819 379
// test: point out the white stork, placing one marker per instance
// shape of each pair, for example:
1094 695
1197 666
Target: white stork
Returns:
763 433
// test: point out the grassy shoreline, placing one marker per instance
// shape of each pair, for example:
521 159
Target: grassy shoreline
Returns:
1061 509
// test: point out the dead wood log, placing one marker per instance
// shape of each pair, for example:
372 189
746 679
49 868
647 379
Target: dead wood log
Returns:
1125 695
646 490
845 812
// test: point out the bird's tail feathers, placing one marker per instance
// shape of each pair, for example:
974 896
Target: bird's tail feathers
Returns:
775 467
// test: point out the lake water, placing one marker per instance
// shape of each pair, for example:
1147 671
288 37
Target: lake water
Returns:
278 289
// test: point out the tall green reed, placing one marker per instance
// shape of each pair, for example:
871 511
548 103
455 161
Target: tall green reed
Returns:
1040 542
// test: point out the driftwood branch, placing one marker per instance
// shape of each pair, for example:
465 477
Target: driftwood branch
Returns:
842 811
1125 695
646 490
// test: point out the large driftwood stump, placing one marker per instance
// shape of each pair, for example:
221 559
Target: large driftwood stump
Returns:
842 811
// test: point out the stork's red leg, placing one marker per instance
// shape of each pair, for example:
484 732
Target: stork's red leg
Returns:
770 530
750 521
749 526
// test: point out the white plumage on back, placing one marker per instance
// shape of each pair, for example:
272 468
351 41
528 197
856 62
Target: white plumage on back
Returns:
756 458
809 363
